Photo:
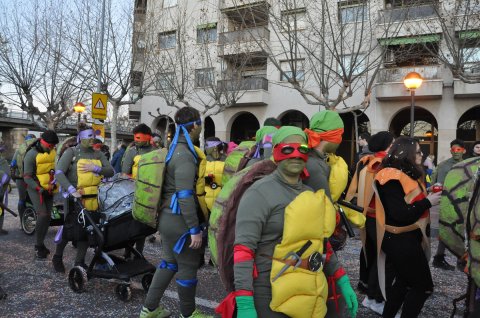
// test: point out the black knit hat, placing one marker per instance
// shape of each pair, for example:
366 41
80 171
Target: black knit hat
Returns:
50 136
380 141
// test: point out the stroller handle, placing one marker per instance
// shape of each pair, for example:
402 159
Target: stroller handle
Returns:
88 217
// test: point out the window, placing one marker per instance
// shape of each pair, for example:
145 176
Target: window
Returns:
167 40
165 81
169 3
204 77
294 19
352 11
140 6
136 78
134 115
207 33
358 64
292 70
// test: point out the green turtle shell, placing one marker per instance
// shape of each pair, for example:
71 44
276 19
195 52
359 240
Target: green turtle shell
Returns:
456 196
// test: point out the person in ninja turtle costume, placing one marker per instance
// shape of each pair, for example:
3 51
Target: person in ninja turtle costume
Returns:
38 173
457 150
179 220
278 242
16 166
327 171
79 171
142 135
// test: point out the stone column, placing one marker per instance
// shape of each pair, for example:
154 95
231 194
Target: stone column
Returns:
12 139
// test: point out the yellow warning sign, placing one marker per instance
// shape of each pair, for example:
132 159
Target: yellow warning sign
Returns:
99 106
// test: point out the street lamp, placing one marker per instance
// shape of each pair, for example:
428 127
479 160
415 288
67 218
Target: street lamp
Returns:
412 81
79 108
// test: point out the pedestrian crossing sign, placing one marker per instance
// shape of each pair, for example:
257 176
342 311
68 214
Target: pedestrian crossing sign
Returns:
99 106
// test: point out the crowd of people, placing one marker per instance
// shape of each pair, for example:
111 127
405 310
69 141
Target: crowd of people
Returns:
290 204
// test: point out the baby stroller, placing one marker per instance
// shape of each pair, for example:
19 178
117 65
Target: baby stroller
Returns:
29 218
111 229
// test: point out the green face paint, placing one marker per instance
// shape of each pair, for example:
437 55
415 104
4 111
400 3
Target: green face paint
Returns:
330 147
457 156
291 167
87 143
141 143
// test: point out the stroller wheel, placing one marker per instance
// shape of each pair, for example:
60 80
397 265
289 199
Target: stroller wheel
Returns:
147 281
123 292
29 219
77 279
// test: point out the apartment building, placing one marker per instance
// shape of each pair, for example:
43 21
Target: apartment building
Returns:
228 45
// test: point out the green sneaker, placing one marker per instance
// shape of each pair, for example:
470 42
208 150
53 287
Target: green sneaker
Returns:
197 314
160 312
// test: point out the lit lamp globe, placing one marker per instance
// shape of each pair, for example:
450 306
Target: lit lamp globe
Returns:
79 107
413 80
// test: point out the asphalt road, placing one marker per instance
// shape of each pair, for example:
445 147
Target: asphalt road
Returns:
35 290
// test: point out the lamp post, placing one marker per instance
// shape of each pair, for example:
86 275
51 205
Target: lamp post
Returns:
412 81
79 108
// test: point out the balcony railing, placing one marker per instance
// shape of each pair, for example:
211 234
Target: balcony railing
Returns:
392 75
14 114
242 36
407 13
244 84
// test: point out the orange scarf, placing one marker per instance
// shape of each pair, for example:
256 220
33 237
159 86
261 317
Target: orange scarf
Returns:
314 138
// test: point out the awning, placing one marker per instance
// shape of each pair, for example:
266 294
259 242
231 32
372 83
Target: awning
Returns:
469 35
212 25
410 40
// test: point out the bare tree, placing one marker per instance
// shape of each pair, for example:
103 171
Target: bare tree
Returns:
326 50
124 77
34 58
459 24
189 71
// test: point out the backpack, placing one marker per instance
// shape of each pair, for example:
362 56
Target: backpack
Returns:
237 159
227 215
21 152
148 187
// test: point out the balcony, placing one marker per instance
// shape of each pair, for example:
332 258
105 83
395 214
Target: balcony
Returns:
390 83
465 90
246 12
242 41
414 20
407 13
253 91
241 4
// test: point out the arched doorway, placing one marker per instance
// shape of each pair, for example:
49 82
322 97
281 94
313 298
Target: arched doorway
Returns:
244 127
294 118
468 126
165 127
347 149
208 128
425 128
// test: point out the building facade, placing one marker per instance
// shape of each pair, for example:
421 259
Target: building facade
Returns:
229 44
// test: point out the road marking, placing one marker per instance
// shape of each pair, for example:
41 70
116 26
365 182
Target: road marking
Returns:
200 301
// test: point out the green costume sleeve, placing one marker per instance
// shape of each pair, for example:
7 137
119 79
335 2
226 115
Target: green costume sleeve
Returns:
185 173
4 166
15 155
252 215
319 172
30 168
127 162
332 266
107 169
62 167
